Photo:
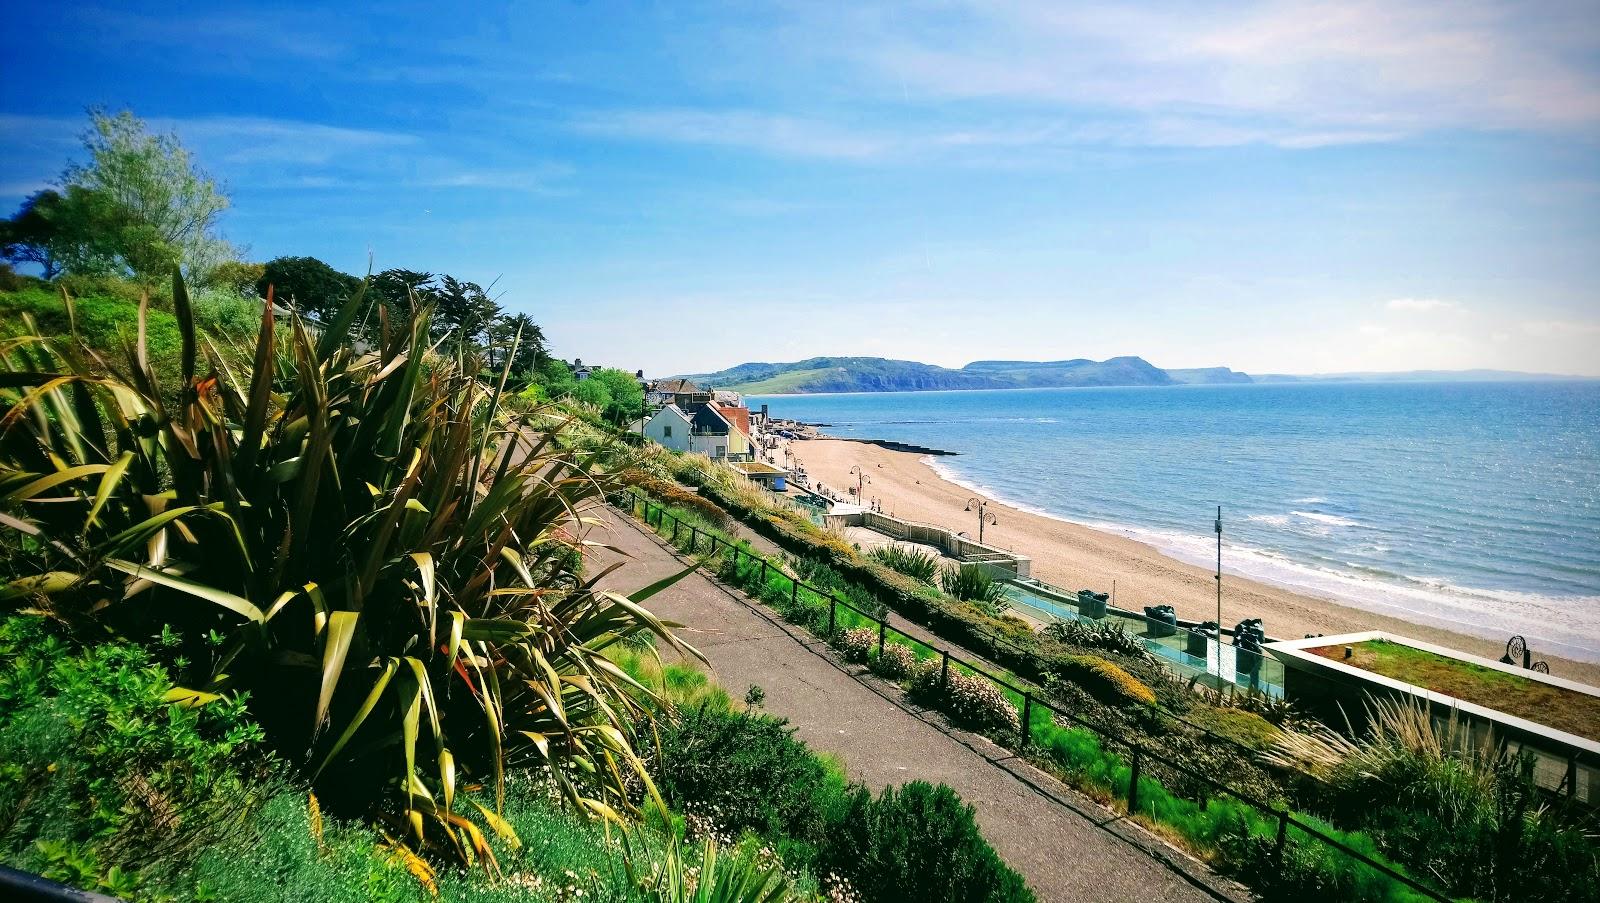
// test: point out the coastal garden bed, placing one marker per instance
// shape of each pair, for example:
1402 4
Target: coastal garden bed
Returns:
1539 702
1483 835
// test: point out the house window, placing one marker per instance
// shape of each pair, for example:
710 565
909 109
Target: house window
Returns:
722 451
666 431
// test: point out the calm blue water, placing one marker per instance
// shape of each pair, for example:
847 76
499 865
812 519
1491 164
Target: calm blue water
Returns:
1472 505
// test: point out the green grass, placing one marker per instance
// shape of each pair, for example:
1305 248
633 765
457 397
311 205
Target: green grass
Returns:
1557 707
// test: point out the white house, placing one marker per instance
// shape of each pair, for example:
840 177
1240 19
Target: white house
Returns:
704 431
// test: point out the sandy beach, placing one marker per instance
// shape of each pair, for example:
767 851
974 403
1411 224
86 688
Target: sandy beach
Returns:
1075 556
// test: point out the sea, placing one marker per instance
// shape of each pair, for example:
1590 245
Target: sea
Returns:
1473 506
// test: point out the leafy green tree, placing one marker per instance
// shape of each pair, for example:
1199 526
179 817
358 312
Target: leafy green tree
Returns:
139 206
236 277
624 397
311 285
33 235
555 377
595 392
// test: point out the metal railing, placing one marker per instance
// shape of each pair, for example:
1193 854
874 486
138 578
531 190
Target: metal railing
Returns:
1138 754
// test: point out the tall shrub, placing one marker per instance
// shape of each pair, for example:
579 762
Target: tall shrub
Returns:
356 539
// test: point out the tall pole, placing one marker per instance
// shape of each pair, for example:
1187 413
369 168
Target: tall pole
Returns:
1219 590
981 506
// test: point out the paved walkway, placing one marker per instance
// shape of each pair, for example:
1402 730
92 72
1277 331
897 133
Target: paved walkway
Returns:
1067 847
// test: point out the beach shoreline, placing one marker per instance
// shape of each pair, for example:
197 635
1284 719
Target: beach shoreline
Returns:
1074 555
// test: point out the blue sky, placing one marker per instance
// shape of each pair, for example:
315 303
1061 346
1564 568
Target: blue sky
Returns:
1278 187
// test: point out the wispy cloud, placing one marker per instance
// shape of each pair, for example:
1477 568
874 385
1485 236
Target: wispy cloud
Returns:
1561 328
1423 305
1321 72
751 129
1008 140
276 34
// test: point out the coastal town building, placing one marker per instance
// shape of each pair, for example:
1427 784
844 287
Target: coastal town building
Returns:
680 392
702 430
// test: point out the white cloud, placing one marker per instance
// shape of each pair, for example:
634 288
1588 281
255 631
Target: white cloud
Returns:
1561 328
1423 305
1317 73
750 129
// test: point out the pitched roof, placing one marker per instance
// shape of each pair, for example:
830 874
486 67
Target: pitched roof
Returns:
738 417
677 385
672 409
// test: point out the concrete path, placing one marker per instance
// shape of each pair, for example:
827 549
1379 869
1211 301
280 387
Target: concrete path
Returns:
1067 847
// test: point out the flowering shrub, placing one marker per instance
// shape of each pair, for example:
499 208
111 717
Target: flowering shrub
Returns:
896 661
969 699
857 645
1106 680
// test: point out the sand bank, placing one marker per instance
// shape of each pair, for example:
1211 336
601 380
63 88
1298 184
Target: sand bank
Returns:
1074 556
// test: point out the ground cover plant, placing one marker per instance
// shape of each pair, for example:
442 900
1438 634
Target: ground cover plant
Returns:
1557 707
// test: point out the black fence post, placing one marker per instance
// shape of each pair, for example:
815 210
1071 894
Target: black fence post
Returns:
1133 782
674 531
1027 717
1571 779
694 540
944 669
833 615
882 628
763 572
1283 837
794 592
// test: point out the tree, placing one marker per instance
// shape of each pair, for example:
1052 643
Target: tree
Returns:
309 284
140 205
236 277
594 392
33 235
397 288
531 352
556 378
624 397
465 308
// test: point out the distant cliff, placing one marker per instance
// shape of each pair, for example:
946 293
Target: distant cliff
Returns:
876 374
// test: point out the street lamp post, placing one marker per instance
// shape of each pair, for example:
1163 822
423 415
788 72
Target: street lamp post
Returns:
1219 591
984 517
861 480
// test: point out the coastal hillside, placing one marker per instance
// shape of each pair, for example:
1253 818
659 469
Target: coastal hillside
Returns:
876 374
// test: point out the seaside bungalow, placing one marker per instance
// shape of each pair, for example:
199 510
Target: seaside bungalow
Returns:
770 476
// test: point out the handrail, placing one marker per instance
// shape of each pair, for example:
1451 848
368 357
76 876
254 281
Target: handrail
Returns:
26 887
1284 817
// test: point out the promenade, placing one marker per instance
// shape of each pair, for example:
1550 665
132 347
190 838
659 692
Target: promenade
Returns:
1066 846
